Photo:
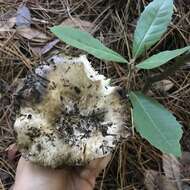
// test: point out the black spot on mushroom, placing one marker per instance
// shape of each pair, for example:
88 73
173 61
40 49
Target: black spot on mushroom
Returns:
54 67
104 130
33 133
77 90
29 116
67 69
39 147
69 130
89 86
61 98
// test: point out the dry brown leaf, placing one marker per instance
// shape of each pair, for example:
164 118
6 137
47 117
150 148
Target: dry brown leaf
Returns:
155 181
7 25
78 23
150 93
163 85
185 168
48 46
150 176
185 158
73 22
8 21
171 167
38 51
23 17
32 34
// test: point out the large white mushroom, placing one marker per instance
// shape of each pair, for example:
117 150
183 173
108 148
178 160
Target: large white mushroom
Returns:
69 114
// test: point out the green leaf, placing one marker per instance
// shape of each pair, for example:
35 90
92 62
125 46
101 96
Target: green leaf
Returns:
152 24
156 124
85 41
161 58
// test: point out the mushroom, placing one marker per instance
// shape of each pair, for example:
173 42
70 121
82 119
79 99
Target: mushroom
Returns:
69 114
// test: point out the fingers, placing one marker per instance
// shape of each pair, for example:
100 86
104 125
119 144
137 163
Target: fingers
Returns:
30 176
94 168
21 165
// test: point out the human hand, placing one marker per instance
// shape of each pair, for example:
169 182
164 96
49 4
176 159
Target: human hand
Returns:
32 177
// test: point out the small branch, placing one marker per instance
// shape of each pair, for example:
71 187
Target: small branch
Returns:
168 72
131 69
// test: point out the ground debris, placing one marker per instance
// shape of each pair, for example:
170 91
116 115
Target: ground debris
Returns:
24 28
114 23
23 17
155 181
163 85
78 23
176 174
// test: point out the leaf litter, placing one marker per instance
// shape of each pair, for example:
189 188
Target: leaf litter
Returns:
114 24
24 28
175 175
7 21
164 85
23 17
78 23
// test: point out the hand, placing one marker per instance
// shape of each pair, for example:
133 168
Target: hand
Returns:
32 177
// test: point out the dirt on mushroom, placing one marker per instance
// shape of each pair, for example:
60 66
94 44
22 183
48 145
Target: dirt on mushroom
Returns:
114 23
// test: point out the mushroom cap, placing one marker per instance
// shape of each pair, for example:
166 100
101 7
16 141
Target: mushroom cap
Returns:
69 114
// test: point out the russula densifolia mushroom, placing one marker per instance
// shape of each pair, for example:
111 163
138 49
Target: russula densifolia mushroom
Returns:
69 114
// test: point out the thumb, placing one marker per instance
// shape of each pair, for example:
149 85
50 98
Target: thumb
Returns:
95 167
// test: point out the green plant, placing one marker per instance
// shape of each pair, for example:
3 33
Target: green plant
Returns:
151 119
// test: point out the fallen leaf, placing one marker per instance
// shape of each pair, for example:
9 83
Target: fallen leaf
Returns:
150 176
32 34
48 46
23 26
185 158
150 93
78 23
74 22
8 21
7 25
36 50
23 17
185 166
163 85
171 167
155 181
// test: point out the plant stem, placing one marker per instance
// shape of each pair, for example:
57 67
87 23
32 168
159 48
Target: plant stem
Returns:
131 69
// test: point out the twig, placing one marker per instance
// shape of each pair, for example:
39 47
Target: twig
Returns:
131 70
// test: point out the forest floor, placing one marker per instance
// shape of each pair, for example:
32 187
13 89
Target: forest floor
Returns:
113 22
